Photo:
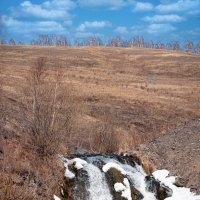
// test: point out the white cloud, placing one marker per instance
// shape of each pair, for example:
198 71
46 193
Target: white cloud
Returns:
18 26
181 5
194 13
79 34
164 18
160 28
121 30
67 23
143 6
194 32
110 4
87 34
65 4
55 9
82 30
137 29
93 25
154 29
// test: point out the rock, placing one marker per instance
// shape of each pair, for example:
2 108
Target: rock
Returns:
114 176
76 188
161 191
180 182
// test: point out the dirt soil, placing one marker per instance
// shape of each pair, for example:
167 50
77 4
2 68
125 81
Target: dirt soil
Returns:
179 152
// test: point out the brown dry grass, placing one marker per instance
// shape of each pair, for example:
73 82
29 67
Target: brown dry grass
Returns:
143 92
25 176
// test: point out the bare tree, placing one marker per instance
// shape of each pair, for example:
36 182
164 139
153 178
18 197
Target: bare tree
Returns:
116 42
138 41
20 43
135 41
197 48
12 42
78 42
168 46
48 109
189 46
175 46
53 40
1 29
94 41
1 41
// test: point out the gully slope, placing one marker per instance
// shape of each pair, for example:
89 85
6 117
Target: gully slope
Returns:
179 152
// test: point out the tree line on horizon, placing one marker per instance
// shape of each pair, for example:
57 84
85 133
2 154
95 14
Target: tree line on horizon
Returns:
135 41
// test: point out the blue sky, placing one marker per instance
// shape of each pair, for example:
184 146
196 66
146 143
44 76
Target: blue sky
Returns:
160 20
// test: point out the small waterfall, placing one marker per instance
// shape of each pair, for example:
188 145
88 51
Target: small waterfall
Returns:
98 186
114 177
137 177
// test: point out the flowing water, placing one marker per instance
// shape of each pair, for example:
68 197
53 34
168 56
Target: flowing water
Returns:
114 177
97 191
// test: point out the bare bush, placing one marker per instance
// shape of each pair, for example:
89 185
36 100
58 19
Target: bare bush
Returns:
104 138
48 109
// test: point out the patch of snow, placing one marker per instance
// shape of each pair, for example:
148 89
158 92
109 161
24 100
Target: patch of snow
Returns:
110 165
124 188
62 192
77 162
56 198
68 173
178 192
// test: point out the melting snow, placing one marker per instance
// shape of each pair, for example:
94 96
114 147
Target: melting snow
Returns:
68 173
110 165
124 188
78 164
178 192
56 198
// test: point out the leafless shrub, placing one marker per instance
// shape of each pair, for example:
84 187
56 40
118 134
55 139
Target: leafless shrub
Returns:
48 109
105 138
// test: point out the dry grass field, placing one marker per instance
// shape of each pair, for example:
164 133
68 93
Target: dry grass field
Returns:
143 93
